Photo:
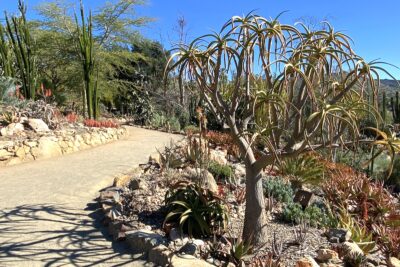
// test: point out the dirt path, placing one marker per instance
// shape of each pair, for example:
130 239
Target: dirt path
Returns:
46 218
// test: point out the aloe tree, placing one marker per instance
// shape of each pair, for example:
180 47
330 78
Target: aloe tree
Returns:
6 59
23 47
290 89
86 49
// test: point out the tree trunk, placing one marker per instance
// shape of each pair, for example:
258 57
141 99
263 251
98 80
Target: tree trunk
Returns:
254 231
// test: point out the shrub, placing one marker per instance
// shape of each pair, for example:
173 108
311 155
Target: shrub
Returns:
220 172
225 141
313 215
191 129
197 211
277 188
394 178
305 169
173 124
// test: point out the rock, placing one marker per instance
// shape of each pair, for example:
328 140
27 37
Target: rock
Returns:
352 252
160 255
306 262
12 129
5 144
193 247
393 262
240 171
303 197
326 255
5 155
14 161
122 180
38 125
188 261
206 178
336 235
218 156
144 240
48 147
178 238
155 158
20 153
138 183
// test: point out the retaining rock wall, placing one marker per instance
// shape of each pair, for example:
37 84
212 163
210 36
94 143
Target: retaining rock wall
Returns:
55 143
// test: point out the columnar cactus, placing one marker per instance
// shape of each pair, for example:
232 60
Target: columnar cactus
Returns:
395 108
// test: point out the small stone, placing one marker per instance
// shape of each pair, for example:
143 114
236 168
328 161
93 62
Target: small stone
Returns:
5 144
38 125
306 262
4 154
326 255
11 129
218 156
160 255
336 235
143 240
303 197
352 252
138 183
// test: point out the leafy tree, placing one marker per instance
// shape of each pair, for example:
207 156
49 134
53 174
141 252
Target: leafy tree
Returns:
114 29
291 89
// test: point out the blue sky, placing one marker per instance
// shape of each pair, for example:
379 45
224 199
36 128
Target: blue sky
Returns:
373 25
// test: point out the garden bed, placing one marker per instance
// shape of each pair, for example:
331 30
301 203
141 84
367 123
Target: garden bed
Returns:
137 207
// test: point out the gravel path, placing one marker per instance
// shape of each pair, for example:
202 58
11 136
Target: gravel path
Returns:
46 215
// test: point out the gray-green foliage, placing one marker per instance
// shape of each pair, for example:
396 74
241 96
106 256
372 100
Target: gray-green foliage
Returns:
313 215
7 89
277 188
220 172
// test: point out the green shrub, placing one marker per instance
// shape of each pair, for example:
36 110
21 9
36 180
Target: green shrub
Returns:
197 211
277 188
220 172
191 129
174 124
158 120
313 215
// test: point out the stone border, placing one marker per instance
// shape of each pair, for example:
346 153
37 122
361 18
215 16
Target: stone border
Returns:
56 143
153 246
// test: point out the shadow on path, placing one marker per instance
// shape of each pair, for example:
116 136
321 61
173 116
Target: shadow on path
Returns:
54 235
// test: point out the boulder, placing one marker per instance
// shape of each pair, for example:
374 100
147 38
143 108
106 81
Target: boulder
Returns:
5 155
160 255
48 147
12 129
5 144
142 241
306 262
38 125
352 252
188 261
192 248
393 262
218 156
155 158
205 178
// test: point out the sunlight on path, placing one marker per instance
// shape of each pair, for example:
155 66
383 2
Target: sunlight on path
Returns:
46 216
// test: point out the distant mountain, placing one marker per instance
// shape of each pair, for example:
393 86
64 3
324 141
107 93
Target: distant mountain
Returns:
390 87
